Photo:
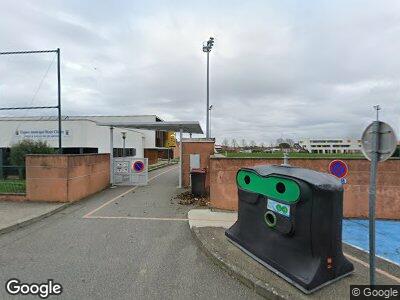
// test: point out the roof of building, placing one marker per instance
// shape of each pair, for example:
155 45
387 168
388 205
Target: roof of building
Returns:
186 126
65 118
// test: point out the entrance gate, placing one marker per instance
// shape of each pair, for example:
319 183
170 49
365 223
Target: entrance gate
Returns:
130 171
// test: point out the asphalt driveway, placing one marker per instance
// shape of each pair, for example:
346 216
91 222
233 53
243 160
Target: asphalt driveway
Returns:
134 246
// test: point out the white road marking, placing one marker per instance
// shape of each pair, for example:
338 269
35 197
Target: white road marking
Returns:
377 269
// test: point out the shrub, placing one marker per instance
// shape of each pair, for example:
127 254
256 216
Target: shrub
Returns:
22 148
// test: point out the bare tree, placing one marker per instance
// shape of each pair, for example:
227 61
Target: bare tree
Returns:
244 143
234 143
290 142
225 142
253 144
280 141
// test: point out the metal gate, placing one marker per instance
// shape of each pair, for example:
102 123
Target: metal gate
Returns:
130 171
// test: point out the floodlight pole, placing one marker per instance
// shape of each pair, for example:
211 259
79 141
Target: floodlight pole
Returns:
208 95
207 48
210 108
59 102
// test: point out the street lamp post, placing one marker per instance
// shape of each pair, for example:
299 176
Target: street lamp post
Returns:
207 48
123 143
210 108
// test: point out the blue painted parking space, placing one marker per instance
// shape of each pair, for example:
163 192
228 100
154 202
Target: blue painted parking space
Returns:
355 232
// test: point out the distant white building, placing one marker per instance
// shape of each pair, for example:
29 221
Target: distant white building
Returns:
331 145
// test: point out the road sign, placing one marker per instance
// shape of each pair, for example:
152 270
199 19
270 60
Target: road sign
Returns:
338 168
138 166
387 141
378 144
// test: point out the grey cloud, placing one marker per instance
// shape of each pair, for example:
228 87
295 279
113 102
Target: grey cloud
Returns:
277 69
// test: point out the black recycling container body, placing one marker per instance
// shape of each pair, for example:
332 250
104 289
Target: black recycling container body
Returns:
290 220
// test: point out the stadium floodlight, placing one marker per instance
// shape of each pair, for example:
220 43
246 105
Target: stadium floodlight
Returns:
207 46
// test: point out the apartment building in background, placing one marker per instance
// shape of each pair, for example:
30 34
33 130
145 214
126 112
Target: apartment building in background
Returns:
346 145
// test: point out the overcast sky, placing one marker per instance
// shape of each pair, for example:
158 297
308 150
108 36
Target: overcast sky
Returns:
290 69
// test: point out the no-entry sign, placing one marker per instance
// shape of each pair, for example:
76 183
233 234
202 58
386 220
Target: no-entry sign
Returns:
338 168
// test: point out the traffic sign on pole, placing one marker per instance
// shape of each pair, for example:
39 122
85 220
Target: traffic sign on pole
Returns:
387 141
378 143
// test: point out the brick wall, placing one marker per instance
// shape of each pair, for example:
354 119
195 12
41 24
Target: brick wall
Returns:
223 190
66 178
196 146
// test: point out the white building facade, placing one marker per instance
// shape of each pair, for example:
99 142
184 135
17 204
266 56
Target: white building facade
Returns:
80 134
331 145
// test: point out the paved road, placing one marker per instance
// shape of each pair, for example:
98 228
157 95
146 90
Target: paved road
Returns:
138 246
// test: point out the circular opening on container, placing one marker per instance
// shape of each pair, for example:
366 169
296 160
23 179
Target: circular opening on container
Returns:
280 188
247 179
270 218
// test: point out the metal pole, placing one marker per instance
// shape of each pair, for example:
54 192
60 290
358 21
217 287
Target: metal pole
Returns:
59 101
123 148
1 164
372 200
210 123
208 94
180 157
112 155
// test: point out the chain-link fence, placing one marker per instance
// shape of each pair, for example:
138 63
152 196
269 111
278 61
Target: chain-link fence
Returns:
12 179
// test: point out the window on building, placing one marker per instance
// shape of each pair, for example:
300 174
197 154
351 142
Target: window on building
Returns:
119 152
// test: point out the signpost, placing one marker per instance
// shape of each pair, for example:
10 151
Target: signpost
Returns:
130 170
378 144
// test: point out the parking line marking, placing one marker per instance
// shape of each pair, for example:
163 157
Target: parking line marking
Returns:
377 269
124 193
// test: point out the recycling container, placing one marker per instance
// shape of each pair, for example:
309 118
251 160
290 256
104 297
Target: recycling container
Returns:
290 220
198 179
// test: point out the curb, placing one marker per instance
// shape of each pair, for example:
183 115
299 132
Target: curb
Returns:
34 219
261 288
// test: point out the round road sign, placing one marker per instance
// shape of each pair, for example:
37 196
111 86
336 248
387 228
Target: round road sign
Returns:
338 168
387 141
138 166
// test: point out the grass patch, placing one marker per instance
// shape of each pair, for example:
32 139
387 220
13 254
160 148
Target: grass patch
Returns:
10 186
